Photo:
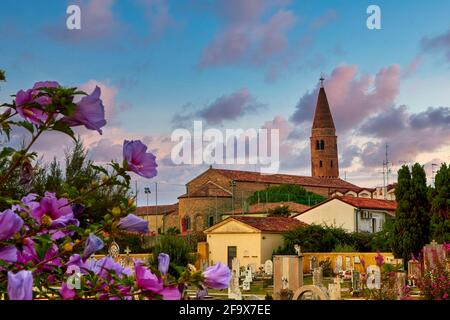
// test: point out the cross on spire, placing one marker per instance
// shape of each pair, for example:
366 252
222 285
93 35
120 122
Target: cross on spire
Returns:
321 80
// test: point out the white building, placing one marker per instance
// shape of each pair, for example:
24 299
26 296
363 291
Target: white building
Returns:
350 213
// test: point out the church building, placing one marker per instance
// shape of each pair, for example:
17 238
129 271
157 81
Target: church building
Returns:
217 192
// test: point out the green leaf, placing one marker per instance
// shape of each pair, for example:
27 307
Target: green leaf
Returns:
99 168
24 124
9 201
64 128
43 243
7 152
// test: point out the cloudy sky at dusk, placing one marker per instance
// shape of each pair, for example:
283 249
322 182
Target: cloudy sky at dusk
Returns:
244 64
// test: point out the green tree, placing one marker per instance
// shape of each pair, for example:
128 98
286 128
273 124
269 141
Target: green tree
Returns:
439 197
177 248
412 223
78 175
281 211
285 192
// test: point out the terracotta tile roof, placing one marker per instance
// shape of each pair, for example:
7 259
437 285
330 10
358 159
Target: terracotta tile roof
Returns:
270 224
367 203
162 209
209 189
265 207
360 203
248 176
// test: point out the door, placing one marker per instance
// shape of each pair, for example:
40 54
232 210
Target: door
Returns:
232 253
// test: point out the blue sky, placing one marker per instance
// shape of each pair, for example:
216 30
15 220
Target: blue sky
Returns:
152 56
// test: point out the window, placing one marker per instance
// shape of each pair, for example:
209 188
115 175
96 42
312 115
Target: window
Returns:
322 145
320 164
317 145
210 221
232 253
331 163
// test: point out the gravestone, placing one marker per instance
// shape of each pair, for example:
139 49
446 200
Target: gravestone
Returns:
246 285
348 263
317 277
287 274
234 292
334 289
413 272
373 277
400 282
338 267
114 250
433 253
268 267
356 282
313 263
248 275
311 292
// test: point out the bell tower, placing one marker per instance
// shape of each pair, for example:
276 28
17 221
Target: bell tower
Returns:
324 153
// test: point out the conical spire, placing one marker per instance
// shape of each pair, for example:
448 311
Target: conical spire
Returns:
322 115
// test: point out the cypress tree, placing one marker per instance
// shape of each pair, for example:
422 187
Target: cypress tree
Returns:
440 204
411 226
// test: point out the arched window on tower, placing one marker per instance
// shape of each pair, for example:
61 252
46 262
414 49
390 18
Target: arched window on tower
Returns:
320 164
317 145
322 145
331 163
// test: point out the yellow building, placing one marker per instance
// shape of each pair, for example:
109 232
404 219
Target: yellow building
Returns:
350 213
250 239
160 218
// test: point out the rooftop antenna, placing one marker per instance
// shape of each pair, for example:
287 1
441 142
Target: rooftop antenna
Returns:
386 171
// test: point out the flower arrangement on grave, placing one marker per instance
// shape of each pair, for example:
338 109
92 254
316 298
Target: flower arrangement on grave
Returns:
434 282
387 285
45 249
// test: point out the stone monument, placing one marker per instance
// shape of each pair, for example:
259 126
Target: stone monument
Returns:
234 292
268 267
287 274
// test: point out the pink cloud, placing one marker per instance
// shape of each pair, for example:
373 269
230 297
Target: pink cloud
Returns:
98 22
159 17
352 99
328 17
246 34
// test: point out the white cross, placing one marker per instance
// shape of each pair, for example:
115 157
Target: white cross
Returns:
127 250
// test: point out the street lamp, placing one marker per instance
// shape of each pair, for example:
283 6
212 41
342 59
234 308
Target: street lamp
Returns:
147 191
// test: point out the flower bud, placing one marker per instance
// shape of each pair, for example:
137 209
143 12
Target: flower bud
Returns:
116 212
68 247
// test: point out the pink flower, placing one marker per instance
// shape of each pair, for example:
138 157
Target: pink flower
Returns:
67 293
56 213
89 112
148 281
217 276
379 259
446 246
138 159
20 285
26 99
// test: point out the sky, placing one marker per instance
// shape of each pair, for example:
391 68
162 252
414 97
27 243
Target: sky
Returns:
162 64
